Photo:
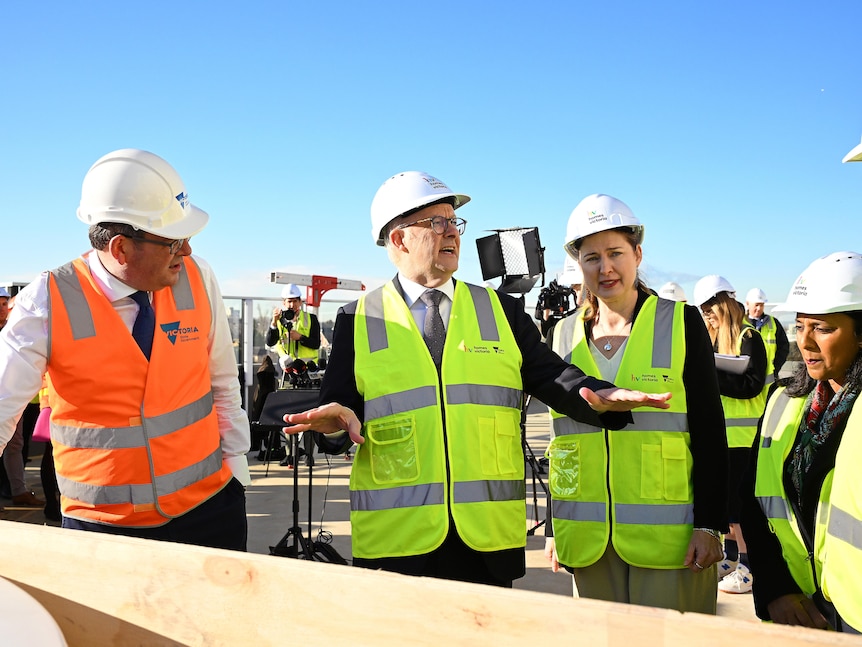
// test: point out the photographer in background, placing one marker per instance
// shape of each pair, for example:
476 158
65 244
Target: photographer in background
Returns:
554 300
293 333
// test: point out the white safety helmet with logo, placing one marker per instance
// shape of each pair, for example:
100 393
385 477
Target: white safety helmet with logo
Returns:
407 192
672 291
755 295
832 283
709 286
291 291
140 189
571 274
595 213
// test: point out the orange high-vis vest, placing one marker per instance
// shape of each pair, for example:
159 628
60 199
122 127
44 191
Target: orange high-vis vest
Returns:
136 443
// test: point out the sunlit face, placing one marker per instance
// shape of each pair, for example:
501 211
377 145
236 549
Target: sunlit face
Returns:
150 266
4 310
423 256
292 303
828 344
610 264
755 310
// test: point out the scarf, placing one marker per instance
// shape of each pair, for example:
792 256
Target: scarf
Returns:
825 413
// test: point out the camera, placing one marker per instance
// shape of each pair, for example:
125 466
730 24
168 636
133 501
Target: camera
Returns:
286 318
554 298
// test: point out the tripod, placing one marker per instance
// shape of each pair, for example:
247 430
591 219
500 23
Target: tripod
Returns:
294 543
535 468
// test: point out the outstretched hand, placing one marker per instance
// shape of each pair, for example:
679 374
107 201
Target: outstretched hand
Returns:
326 419
615 399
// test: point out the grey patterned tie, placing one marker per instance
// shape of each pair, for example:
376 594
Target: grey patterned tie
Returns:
433 333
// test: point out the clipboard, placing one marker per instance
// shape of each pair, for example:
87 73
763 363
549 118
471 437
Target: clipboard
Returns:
732 363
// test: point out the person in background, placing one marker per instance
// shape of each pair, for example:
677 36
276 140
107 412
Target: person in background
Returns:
672 292
777 345
293 332
802 498
637 514
743 396
5 297
427 374
148 433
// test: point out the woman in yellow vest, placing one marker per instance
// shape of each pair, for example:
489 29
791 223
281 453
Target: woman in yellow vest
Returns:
742 375
636 515
802 507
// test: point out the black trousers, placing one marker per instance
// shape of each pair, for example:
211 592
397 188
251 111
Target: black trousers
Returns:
219 522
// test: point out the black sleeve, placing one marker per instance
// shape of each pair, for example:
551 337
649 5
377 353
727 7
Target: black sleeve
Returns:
782 347
749 384
773 578
339 381
706 426
271 336
313 338
551 379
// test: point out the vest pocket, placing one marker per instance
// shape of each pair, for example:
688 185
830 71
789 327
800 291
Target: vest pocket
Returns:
664 470
392 446
498 441
564 467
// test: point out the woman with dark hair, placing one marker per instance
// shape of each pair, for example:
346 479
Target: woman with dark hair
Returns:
636 515
743 397
802 506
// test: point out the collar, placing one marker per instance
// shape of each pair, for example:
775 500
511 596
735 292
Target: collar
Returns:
412 290
112 287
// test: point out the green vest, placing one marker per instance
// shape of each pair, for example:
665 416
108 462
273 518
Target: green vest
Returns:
442 444
742 414
632 486
842 536
768 333
287 346
778 433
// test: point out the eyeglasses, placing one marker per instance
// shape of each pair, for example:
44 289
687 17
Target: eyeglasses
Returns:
707 307
173 245
439 224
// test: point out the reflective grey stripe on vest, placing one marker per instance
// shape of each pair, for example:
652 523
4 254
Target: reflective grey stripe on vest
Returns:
662 344
483 491
182 290
407 496
580 511
80 317
741 422
768 428
769 379
774 507
133 436
498 396
657 421
375 323
565 426
484 313
386 405
654 515
141 494
845 527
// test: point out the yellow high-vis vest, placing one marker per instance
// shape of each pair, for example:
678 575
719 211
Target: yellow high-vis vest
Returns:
436 444
741 415
633 486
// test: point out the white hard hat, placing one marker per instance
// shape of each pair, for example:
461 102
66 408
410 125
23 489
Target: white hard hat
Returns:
672 291
830 284
709 286
406 192
755 295
854 155
571 274
595 213
5 293
140 189
291 291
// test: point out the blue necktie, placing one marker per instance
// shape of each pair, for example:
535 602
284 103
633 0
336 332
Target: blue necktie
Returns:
145 324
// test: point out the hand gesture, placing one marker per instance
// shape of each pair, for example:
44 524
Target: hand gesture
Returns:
615 399
327 419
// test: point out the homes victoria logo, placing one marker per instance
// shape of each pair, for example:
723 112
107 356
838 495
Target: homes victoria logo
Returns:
652 378
480 349
176 332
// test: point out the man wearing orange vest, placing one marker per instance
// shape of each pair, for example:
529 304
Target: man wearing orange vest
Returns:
147 427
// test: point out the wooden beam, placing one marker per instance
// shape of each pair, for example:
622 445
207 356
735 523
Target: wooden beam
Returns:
105 590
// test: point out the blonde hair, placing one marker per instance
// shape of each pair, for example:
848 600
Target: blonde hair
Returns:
730 315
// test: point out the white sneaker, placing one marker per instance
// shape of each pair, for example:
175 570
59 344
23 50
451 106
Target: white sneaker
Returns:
737 582
725 567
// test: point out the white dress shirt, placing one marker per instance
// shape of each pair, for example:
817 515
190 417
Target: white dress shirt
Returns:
24 357
412 292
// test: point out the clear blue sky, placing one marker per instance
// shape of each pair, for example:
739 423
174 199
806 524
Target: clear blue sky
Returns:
722 125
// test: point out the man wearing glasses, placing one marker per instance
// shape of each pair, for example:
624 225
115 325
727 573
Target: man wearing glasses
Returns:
148 433
427 374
